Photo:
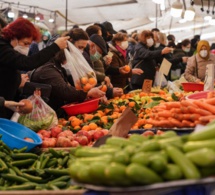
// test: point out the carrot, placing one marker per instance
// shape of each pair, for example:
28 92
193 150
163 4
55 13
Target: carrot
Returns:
184 109
152 122
210 100
194 117
200 111
163 123
187 123
175 122
175 110
210 94
206 118
165 114
206 106
170 105
187 103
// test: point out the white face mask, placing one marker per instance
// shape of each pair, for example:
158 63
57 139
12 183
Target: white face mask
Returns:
124 45
203 53
149 42
157 45
186 50
21 49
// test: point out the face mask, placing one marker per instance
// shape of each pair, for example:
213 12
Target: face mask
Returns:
21 49
149 42
203 53
95 56
157 45
186 50
124 45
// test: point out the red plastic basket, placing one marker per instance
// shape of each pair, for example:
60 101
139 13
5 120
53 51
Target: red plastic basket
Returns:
82 108
193 87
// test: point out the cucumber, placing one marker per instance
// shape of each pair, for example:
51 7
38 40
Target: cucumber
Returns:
174 141
157 163
172 172
137 138
195 145
206 134
74 168
204 157
167 134
92 152
131 149
83 174
139 174
115 174
121 157
88 160
119 141
149 145
189 170
140 158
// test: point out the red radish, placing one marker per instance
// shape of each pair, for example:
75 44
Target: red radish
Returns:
85 133
49 143
44 133
63 142
82 140
55 131
98 134
74 143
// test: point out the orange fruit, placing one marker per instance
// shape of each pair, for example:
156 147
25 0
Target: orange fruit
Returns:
84 80
85 127
131 104
127 68
87 87
103 88
76 122
77 128
92 81
78 85
88 117
93 126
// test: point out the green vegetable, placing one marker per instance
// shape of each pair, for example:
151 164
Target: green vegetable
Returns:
195 145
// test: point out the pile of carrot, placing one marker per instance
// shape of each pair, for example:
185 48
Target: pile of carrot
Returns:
186 113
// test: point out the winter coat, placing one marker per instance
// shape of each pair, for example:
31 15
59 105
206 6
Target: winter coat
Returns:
62 92
196 67
11 62
144 59
118 61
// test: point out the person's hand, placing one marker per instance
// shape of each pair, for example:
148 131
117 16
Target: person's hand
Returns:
104 100
108 82
137 71
107 59
184 59
62 42
117 92
166 50
95 93
197 81
14 106
24 79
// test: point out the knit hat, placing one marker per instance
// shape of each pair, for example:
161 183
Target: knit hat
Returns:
109 27
99 41
203 43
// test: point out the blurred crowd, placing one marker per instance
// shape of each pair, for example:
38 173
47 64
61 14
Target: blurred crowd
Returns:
121 61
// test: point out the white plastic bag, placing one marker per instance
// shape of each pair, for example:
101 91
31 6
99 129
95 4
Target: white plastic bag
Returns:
160 80
83 75
175 74
41 117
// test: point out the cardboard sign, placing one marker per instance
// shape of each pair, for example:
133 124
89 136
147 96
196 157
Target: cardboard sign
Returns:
147 86
165 67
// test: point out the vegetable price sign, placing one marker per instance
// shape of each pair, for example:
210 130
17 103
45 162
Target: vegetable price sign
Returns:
147 85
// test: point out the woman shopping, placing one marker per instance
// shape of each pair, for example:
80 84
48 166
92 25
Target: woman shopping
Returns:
15 40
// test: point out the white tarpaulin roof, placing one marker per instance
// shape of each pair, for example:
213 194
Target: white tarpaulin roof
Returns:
124 14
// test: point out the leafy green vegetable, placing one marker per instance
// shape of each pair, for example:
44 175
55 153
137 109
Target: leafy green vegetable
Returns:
152 104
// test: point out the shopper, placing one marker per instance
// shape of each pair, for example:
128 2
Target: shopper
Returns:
15 39
196 65
12 105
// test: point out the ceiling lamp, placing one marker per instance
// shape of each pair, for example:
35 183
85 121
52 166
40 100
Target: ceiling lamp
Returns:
189 14
212 21
182 20
10 14
207 18
162 7
51 20
25 16
176 9
37 18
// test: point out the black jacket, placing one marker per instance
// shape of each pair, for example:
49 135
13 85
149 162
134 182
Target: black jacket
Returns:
11 62
144 59
62 92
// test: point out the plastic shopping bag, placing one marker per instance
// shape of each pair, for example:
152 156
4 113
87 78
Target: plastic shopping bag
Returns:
160 80
41 117
83 75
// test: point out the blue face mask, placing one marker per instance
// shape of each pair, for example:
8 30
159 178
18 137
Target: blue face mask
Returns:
96 56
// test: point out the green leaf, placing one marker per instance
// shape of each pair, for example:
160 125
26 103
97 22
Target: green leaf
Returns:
158 98
174 97
152 104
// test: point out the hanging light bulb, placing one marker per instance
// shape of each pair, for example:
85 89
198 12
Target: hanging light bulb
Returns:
37 18
207 18
162 7
189 14
176 9
25 16
10 14
51 20
212 21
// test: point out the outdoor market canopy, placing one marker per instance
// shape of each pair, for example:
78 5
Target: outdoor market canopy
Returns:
123 14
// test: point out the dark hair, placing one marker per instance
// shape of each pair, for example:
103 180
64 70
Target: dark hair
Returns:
171 38
3 22
119 37
155 30
60 56
20 28
93 29
78 34
185 42
123 31
104 31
